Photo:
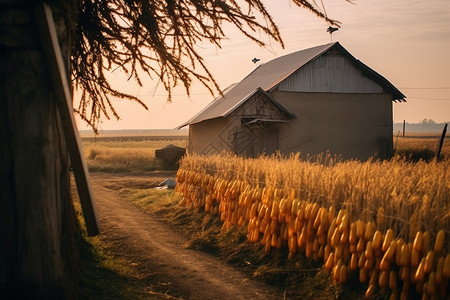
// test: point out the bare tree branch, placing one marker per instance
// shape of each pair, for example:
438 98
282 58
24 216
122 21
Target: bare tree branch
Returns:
157 39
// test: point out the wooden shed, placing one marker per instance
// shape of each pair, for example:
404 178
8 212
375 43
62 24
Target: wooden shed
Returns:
311 101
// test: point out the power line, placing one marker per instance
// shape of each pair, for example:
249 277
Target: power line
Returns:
427 88
424 98
173 95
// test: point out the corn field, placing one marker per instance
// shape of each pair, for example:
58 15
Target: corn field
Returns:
385 222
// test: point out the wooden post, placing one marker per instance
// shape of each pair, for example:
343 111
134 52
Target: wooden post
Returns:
404 128
441 142
63 97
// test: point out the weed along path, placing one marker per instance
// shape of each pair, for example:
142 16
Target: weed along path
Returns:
157 252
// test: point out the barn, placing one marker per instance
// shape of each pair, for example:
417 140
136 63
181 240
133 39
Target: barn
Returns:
311 101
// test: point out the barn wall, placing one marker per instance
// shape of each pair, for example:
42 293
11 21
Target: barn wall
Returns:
353 125
210 136
216 135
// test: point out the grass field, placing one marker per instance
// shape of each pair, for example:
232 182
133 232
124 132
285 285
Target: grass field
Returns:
413 173
127 154
421 146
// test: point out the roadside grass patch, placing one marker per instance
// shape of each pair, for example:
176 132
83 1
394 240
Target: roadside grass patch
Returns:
151 199
103 276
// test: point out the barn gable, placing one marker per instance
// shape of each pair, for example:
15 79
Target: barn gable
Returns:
260 106
337 71
331 72
249 128
257 114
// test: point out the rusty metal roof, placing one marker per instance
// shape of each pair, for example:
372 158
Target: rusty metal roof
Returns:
267 77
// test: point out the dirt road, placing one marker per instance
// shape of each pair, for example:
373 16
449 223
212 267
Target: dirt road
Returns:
157 251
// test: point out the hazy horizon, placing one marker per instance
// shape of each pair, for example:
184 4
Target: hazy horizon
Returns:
419 127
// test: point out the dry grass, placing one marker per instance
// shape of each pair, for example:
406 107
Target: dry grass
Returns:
126 156
424 147
402 188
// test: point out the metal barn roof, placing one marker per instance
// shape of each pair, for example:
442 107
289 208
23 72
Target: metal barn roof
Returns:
267 77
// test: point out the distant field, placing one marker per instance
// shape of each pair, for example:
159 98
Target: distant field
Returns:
422 135
135 133
134 138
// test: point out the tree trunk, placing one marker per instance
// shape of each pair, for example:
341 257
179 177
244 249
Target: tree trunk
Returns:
37 224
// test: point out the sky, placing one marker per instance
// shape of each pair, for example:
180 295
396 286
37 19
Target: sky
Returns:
406 41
